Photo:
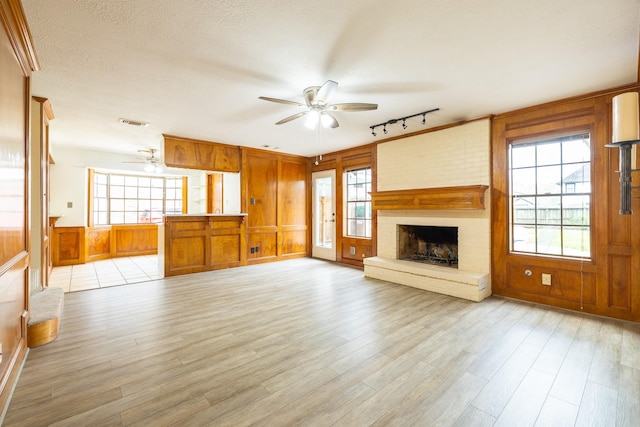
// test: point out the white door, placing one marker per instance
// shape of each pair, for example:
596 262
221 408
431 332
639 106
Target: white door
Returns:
324 214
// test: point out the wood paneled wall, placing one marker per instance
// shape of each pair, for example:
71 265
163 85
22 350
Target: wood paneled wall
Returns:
342 161
17 62
609 283
77 245
275 197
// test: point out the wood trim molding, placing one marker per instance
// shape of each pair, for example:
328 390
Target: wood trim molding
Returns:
46 108
441 198
14 20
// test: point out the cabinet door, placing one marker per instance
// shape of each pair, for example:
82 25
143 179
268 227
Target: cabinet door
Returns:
202 155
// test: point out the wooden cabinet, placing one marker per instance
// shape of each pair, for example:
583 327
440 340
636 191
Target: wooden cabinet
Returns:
202 155
197 243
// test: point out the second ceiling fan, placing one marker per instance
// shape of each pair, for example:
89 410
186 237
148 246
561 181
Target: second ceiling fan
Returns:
317 100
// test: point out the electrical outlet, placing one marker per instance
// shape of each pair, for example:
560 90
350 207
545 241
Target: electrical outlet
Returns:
69 205
257 249
253 250
546 279
352 250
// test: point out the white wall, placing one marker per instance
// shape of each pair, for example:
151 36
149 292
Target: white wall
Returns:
231 185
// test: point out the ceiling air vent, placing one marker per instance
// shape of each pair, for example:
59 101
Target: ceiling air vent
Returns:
133 122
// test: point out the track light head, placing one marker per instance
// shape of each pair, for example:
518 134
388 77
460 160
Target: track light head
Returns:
373 131
424 118
404 123
384 129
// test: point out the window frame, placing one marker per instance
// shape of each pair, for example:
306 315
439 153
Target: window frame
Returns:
562 192
368 183
95 197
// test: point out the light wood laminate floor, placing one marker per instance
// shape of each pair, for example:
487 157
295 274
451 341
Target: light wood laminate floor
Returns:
306 342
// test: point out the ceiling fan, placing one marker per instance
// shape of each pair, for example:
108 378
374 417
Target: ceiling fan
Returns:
319 110
153 163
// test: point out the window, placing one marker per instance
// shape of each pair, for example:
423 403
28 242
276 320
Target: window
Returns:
129 199
550 184
358 217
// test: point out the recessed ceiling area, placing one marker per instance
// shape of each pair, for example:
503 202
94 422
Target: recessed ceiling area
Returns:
196 68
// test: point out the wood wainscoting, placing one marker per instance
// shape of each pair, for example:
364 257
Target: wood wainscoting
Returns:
78 245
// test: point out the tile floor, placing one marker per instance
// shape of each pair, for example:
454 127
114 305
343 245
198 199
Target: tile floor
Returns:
108 272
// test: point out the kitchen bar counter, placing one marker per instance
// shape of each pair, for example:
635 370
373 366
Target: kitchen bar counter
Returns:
193 243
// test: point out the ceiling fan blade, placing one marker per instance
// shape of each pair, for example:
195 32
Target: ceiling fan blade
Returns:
326 91
293 117
328 121
352 106
281 101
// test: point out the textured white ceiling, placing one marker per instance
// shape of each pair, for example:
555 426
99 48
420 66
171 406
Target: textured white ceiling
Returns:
195 68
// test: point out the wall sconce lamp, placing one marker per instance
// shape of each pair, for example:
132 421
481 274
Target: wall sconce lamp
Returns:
626 127
403 120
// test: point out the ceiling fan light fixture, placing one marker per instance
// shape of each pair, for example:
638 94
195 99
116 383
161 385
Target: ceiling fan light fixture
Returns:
326 120
313 117
317 100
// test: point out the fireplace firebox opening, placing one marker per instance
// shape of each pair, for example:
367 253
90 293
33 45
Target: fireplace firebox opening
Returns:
428 244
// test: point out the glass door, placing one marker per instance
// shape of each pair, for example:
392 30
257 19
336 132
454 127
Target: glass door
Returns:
324 214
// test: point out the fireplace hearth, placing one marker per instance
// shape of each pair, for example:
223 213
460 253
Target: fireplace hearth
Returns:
428 244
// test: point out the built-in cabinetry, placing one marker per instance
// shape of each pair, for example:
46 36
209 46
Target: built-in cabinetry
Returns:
203 155
200 242
273 193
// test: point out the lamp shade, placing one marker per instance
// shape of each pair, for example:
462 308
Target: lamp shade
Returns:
626 121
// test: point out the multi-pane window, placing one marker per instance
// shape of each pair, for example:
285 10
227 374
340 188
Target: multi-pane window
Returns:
550 194
358 202
130 199
100 199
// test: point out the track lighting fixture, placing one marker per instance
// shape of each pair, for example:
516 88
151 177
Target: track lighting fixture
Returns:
404 121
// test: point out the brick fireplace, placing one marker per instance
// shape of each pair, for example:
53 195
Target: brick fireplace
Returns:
428 244
437 179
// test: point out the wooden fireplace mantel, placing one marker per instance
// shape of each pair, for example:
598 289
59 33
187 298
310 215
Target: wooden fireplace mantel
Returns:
442 198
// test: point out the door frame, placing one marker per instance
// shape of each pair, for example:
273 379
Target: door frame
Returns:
326 253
